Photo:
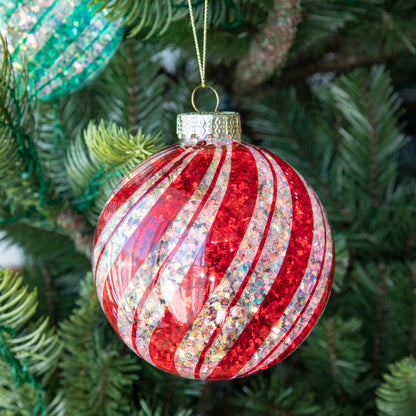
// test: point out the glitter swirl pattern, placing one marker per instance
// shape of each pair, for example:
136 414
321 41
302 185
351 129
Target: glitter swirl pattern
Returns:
213 261
64 43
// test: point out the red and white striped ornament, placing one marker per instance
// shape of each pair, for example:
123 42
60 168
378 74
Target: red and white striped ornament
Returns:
213 259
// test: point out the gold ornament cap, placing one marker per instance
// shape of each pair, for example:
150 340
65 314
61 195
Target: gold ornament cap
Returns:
212 128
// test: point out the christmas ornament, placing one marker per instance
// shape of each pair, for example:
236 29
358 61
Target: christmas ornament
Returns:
63 42
213 259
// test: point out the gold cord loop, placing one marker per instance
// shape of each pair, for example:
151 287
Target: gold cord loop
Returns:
204 86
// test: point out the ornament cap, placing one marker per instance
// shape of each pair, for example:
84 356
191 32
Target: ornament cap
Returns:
214 128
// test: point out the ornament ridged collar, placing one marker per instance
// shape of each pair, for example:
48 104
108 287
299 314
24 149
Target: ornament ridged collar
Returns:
214 128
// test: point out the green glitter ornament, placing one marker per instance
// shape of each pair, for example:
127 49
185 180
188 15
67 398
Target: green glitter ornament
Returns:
63 42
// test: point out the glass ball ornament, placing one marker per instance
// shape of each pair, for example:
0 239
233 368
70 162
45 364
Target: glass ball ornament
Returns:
63 42
213 259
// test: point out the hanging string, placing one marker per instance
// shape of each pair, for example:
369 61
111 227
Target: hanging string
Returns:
201 63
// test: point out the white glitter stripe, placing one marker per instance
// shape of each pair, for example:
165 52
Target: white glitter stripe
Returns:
118 240
147 272
301 295
315 301
155 306
119 214
264 273
25 17
76 48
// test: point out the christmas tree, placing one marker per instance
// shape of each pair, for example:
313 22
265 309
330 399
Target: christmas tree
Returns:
328 86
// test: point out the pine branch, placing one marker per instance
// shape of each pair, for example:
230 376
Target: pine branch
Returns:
57 407
397 395
366 113
96 163
151 18
322 21
37 344
270 396
48 241
131 90
96 379
113 146
75 112
22 184
383 293
335 351
51 143
27 350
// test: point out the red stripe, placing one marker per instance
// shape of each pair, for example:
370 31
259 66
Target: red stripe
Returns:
296 341
248 275
318 312
150 189
149 231
129 188
213 259
285 285
176 248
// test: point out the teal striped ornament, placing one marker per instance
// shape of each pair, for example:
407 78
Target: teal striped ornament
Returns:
63 42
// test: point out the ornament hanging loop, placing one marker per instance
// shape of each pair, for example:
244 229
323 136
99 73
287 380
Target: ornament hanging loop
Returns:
201 62
204 86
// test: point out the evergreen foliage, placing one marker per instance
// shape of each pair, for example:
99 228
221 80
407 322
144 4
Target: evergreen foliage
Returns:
51 148
106 387
270 396
19 165
396 396
155 16
96 162
27 349
135 107
331 110
149 18
147 411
